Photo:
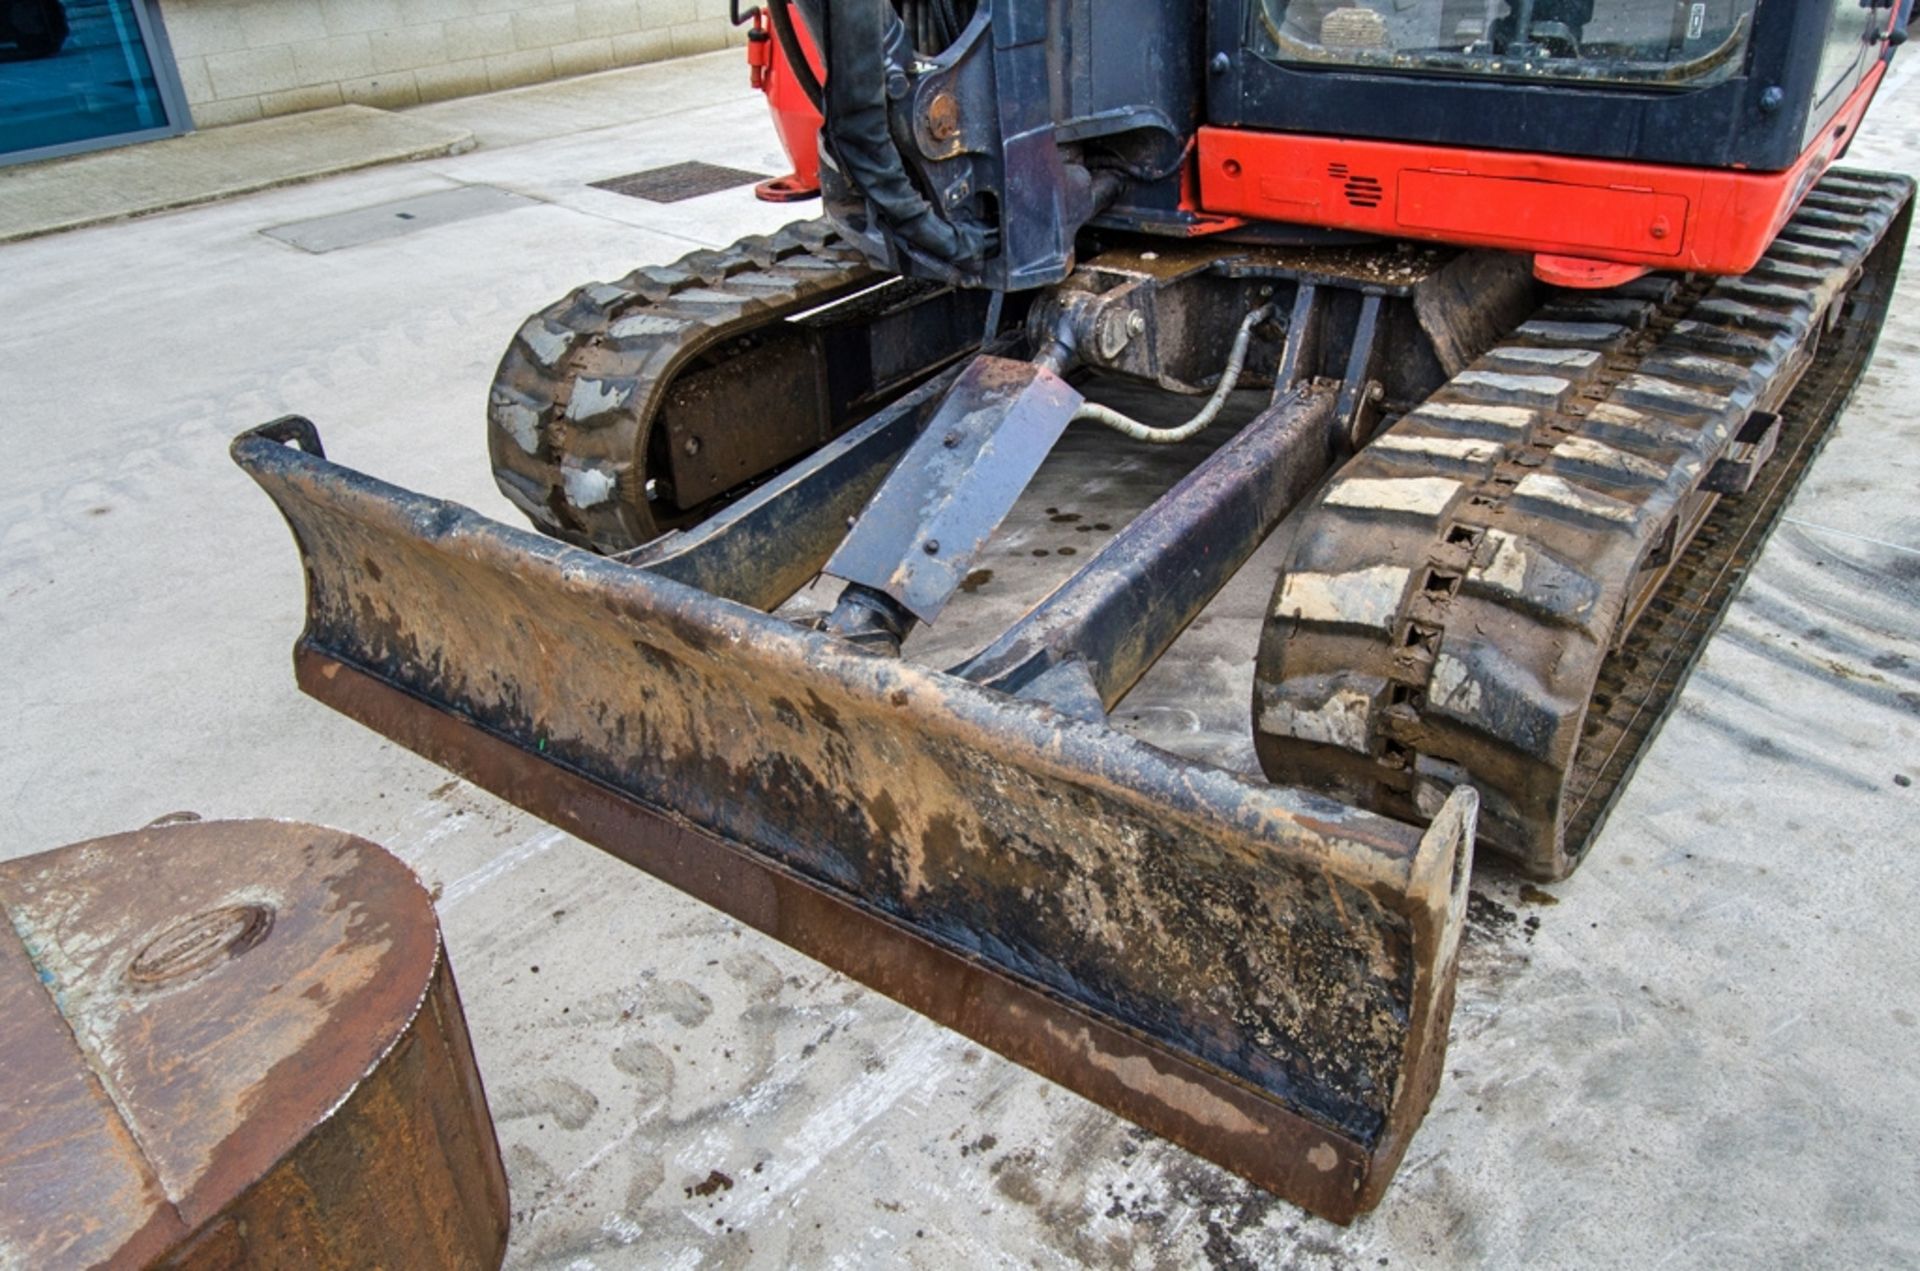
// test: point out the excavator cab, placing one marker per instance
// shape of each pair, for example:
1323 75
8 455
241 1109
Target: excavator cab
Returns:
1543 306
993 191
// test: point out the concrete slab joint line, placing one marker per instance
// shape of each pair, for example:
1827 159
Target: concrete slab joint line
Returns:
64 194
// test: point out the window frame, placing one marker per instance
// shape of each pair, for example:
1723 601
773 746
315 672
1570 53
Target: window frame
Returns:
166 79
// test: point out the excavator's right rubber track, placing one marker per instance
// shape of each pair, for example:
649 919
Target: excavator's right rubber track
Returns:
1508 586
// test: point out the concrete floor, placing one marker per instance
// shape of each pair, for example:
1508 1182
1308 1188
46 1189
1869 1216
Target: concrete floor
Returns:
1699 1052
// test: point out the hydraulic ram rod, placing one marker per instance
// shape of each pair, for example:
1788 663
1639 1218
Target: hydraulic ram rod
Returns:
1118 614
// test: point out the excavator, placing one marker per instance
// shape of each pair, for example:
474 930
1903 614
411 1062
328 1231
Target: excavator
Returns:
1543 308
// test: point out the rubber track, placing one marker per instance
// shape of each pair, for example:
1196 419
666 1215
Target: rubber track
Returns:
573 403
1453 601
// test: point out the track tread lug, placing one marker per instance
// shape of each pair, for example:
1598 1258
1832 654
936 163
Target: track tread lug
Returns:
1505 388
1686 367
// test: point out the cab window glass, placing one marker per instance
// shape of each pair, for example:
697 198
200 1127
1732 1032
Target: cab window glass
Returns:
1679 42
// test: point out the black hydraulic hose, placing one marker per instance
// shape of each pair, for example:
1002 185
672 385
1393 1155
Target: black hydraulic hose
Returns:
858 129
782 18
949 21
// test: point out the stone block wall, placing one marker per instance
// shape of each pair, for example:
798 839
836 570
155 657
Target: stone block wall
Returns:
245 59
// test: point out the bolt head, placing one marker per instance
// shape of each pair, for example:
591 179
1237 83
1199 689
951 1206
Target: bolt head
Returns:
931 547
943 116
951 440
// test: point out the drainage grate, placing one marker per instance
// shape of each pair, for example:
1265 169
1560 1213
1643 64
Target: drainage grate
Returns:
678 181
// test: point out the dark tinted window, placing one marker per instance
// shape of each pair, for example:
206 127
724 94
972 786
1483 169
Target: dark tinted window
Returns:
1679 42
74 71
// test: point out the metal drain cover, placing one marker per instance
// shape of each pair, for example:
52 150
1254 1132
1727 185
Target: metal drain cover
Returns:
403 216
678 181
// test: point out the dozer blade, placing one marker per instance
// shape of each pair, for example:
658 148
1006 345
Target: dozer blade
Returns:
1262 975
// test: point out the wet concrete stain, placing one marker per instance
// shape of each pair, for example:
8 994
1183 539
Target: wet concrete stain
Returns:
1015 1178
1165 1209
566 1103
1488 919
1756 744
1229 1210
579 1219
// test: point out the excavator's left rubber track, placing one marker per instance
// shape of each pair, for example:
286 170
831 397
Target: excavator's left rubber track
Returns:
576 404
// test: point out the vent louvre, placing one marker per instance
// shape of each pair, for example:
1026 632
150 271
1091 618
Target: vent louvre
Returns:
1363 191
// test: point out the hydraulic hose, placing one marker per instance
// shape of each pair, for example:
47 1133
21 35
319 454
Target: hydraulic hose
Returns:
850 35
859 135
781 15
1236 362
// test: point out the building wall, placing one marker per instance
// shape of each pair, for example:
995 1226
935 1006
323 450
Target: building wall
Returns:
245 59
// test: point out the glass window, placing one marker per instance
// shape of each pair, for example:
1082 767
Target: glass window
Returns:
1846 44
1677 42
79 73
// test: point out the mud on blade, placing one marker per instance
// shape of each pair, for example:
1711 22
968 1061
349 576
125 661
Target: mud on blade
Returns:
1261 975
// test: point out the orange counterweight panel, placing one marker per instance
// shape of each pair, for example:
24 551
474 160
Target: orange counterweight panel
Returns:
1598 212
